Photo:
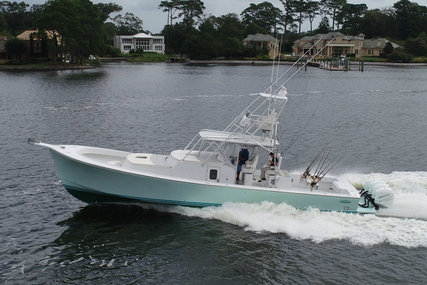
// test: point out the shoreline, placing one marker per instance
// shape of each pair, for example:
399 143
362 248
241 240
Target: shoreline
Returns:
292 62
208 62
53 67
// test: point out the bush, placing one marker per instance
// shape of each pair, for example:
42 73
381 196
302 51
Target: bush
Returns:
169 50
140 52
398 55
112 51
16 47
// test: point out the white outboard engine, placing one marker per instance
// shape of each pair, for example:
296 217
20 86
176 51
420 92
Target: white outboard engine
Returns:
377 194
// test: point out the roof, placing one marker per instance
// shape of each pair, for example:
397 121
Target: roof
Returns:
393 44
221 136
328 36
142 36
26 34
352 38
259 38
373 43
307 45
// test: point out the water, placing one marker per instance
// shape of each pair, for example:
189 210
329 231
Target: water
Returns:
377 118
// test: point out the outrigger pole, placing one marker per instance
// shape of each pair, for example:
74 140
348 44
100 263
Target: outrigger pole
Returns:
308 61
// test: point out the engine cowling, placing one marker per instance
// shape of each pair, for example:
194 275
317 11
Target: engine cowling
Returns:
381 193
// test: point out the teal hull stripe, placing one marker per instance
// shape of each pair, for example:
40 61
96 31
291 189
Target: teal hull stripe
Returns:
95 194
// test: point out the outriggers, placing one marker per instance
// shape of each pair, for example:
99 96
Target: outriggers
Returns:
204 172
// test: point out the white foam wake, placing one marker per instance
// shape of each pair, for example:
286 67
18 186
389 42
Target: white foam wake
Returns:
405 224
315 225
410 189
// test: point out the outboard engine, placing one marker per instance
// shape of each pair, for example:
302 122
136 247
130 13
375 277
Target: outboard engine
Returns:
377 194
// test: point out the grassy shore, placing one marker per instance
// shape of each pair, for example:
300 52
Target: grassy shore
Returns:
147 57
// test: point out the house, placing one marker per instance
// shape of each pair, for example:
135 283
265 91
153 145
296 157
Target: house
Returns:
36 50
261 41
147 42
375 47
3 54
25 36
37 43
342 45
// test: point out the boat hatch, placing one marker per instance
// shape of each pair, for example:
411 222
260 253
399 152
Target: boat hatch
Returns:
213 174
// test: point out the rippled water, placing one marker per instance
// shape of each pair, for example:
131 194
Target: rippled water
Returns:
377 118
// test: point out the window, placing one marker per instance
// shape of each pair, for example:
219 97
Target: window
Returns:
158 48
37 46
357 51
126 41
142 43
213 174
127 47
369 51
158 41
356 44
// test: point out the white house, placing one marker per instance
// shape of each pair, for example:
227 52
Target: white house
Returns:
140 41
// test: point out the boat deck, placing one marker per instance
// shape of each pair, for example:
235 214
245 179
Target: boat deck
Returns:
127 161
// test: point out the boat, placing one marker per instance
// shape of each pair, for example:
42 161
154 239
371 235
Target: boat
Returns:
209 171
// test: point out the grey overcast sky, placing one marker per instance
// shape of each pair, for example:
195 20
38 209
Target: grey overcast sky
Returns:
155 19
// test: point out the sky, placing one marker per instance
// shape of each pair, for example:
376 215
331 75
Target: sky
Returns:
154 19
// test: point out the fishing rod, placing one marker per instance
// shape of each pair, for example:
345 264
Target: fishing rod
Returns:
321 172
331 166
313 162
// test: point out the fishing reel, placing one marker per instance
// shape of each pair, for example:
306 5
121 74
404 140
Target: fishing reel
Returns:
311 180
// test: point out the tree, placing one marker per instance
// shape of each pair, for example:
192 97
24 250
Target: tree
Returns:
312 11
129 24
350 17
190 11
209 38
74 22
408 17
253 29
35 12
300 10
378 23
170 7
388 49
324 26
3 23
289 14
232 46
175 36
416 46
264 15
15 46
399 55
16 15
105 9
332 8
230 34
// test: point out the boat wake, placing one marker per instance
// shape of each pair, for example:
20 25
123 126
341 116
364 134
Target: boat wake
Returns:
405 224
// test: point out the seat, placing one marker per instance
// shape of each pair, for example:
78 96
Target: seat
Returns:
266 123
271 171
250 165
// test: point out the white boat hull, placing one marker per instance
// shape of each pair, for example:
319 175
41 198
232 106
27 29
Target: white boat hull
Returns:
97 183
